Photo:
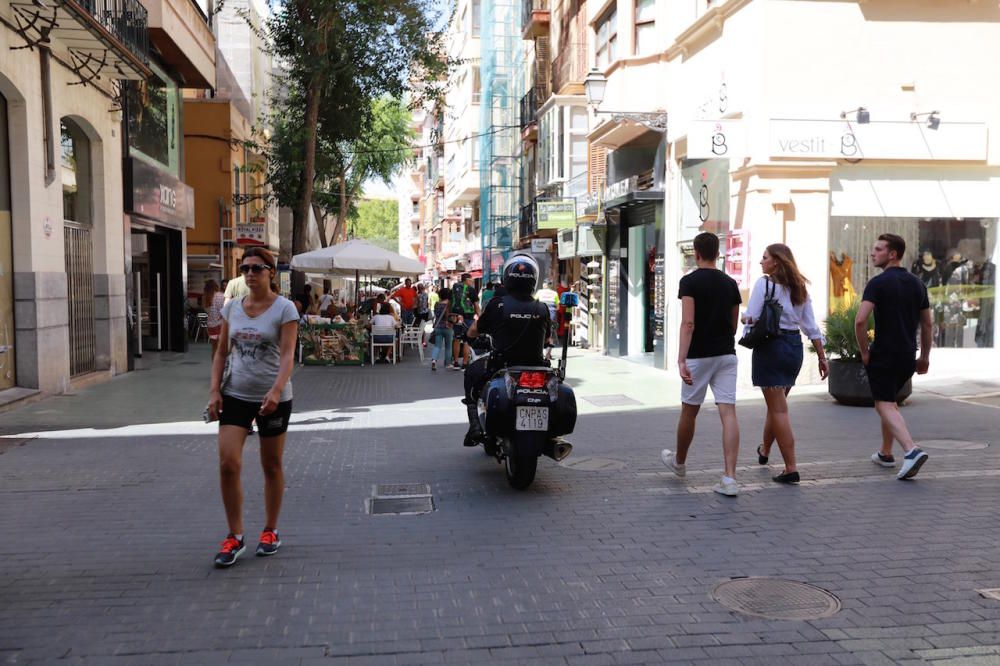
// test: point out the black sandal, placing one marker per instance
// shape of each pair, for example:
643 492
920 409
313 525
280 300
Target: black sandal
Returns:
761 458
787 477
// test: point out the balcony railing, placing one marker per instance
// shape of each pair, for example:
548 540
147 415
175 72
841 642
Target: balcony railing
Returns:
126 20
529 108
535 16
529 220
569 66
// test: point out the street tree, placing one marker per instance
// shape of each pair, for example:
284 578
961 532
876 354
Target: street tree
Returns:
340 57
377 221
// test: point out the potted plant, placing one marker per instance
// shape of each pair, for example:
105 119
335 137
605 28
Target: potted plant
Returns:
848 381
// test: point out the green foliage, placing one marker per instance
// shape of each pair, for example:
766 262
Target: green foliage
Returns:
377 220
840 340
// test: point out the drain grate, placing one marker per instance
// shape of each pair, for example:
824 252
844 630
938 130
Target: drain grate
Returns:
776 599
612 400
400 506
401 489
585 464
952 444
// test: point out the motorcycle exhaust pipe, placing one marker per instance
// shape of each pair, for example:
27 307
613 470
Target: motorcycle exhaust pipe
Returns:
560 450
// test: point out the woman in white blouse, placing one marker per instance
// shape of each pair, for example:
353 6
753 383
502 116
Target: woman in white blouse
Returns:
777 362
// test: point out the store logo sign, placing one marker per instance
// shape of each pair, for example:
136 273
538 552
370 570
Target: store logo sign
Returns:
168 197
887 140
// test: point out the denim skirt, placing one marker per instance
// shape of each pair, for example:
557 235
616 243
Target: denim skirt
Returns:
777 362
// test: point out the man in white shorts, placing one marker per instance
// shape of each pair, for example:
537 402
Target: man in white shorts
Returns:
710 307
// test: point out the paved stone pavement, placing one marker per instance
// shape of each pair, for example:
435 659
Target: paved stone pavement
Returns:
110 513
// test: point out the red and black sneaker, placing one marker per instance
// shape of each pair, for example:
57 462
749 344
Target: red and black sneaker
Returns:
231 549
269 543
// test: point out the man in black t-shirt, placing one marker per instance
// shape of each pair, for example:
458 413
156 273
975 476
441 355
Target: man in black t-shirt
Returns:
899 302
710 305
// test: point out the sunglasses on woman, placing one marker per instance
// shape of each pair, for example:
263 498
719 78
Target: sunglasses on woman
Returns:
256 268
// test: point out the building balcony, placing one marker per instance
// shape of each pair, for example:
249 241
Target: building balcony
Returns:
103 39
529 115
569 69
536 16
180 32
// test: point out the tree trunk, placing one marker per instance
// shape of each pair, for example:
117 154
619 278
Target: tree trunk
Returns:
300 217
321 225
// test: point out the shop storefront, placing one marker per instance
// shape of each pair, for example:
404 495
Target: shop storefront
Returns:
160 210
949 219
636 318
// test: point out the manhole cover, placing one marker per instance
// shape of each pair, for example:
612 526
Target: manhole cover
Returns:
585 464
776 599
380 506
401 489
613 400
952 444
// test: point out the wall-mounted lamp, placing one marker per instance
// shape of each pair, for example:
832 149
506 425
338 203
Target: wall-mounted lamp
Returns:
861 115
933 119
596 84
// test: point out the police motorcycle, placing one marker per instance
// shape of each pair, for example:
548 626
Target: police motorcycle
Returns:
524 410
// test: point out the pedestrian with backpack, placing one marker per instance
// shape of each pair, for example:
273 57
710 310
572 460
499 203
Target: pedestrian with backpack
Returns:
464 302
777 361
442 335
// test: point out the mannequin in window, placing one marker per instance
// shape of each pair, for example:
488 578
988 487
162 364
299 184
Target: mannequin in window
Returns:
842 292
984 328
959 274
927 269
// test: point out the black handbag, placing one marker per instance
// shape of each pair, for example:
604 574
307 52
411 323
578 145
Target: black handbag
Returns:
768 324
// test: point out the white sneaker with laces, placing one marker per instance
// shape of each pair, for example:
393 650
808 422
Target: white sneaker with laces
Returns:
912 462
670 460
730 489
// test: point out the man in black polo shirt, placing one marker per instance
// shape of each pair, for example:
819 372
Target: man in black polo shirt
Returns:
710 310
899 302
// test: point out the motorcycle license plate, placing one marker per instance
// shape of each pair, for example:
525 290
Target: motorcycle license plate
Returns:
533 418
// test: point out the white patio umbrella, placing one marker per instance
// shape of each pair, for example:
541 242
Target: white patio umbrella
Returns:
357 258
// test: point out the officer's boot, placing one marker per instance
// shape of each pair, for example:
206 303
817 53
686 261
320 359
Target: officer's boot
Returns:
475 434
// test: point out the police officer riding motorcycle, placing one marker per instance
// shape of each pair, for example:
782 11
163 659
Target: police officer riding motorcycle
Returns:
516 402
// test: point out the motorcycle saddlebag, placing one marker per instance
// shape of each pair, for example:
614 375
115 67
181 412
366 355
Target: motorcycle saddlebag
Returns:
563 417
499 409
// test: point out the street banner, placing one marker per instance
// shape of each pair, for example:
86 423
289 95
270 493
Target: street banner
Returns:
557 214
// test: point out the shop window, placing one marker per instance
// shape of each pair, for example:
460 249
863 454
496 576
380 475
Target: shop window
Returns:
954 258
75 167
606 41
645 26
153 121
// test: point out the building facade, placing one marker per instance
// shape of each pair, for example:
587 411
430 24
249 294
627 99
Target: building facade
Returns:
62 272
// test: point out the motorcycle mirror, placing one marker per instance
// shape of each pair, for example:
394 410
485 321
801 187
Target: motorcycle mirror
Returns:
569 299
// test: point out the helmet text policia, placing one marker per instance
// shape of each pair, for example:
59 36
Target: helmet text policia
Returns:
520 275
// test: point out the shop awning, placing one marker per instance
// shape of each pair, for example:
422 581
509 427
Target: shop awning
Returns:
915 192
356 256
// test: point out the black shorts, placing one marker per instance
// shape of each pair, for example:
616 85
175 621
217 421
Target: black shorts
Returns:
243 413
887 380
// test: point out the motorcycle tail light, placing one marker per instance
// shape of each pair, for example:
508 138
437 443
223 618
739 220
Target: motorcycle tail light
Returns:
534 380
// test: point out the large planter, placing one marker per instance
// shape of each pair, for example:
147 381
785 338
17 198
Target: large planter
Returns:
848 384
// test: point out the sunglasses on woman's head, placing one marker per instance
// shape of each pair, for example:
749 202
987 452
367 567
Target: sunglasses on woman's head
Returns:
256 268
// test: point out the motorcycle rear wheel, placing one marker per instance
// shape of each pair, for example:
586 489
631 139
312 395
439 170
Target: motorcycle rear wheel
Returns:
520 470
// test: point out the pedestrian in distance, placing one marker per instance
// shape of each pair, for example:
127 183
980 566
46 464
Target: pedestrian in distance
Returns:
710 313
326 303
259 334
213 300
898 300
464 302
777 362
443 333
406 296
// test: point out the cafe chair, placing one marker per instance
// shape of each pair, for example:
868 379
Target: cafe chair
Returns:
383 330
411 336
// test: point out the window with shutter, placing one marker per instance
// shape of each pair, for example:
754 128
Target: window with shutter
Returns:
597 167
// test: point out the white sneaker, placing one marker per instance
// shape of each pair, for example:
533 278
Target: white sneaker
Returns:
731 489
670 460
912 462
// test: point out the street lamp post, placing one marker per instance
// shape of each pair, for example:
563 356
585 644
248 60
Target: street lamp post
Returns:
596 84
